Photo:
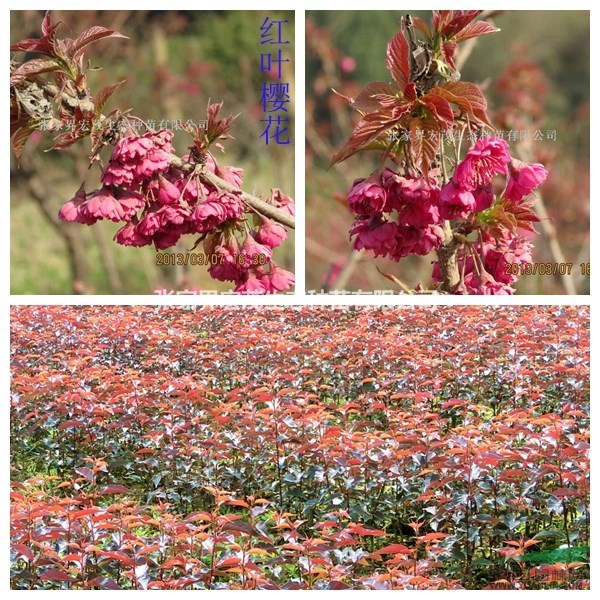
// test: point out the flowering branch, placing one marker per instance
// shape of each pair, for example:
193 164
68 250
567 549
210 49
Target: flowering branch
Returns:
430 200
257 204
159 196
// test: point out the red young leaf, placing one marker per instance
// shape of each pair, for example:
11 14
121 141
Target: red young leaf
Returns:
43 45
35 66
369 128
397 60
89 36
47 26
441 19
475 29
394 549
115 488
56 575
20 137
448 49
467 96
23 550
460 19
103 96
231 561
85 472
440 108
422 27
365 101
424 141
511 216
337 585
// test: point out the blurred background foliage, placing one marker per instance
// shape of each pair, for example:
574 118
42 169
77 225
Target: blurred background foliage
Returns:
535 74
173 63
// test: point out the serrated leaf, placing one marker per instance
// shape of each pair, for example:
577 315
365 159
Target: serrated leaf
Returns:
19 139
43 45
448 49
368 129
35 66
47 25
397 59
460 19
85 472
56 575
365 100
103 96
115 488
467 96
105 583
89 36
66 140
440 108
513 216
422 26
424 141
476 29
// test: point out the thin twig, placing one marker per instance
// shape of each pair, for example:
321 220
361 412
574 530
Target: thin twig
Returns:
351 263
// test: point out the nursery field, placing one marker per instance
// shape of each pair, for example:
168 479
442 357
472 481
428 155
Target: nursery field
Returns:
300 447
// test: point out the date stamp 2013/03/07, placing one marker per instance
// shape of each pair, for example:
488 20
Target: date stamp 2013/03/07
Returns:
183 259
549 268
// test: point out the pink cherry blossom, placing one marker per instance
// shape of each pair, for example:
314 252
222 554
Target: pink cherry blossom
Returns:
75 210
232 175
430 238
102 204
279 280
164 239
130 202
280 200
270 233
168 193
498 256
455 202
135 159
129 235
366 197
251 284
254 251
487 158
483 198
374 234
524 178
150 224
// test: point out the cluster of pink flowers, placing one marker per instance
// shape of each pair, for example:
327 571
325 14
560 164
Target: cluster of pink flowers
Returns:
159 203
396 217
400 215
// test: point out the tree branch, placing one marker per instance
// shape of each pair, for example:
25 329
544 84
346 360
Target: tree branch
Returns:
258 204
448 260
